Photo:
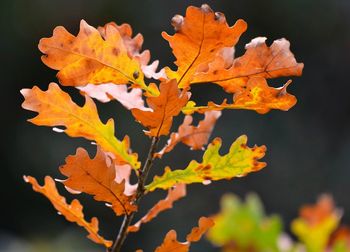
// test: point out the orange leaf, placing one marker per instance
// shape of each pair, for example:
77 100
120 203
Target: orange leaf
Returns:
73 212
199 36
259 60
193 136
56 108
91 58
256 96
97 177
174 194
171 243
167 105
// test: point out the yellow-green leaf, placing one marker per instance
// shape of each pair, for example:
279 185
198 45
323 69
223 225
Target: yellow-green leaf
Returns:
238 162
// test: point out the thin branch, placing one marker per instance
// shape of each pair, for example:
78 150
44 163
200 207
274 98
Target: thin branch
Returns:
123 231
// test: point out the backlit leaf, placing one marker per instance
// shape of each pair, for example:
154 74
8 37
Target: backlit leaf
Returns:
256 96
171 243
73 212
56 108
97 177
164 107
175 193
198 37
91 58
238 162
193 136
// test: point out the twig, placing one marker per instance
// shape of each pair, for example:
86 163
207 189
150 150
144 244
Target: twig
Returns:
123 231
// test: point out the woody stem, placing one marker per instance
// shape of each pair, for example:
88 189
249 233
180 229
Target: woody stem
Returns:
123 231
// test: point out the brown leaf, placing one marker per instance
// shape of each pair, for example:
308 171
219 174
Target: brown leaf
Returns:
198 38
193 136
97 177
174 194
171 244
167 105
73 212
256 96
259 60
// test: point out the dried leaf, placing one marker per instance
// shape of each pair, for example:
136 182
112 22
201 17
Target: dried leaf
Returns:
199 36
56 108
238 162
107 92
259 60
164 107
256 96
123 173
171 244
175 193
97 177
91 58
193 136
73 212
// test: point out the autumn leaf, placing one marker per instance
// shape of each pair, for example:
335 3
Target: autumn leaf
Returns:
238 162
259 60
256 96
199 37
175 193
107 92
171 244
123 175
193 136
97 177
56 108
164 107
92 58
244 226
73 212
340 240
316 223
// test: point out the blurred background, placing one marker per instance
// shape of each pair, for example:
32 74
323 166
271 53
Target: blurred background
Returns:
308 147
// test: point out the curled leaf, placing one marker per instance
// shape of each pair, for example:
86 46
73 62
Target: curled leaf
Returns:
175 193
238 162
97 177
257 96
56 108
193 136
73 212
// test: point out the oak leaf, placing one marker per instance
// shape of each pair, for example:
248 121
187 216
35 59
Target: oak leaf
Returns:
257 96
193 136
171 243
73 212
164 107
175 193
238 162
107 92
92 58
97 177
259 60
123 174
56 108
199 37
316 223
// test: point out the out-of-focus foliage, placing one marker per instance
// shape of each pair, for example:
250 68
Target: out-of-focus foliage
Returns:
243 226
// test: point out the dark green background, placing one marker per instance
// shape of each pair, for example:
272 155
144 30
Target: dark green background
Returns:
308 147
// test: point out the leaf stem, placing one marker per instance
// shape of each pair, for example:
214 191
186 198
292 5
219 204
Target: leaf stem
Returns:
123 231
